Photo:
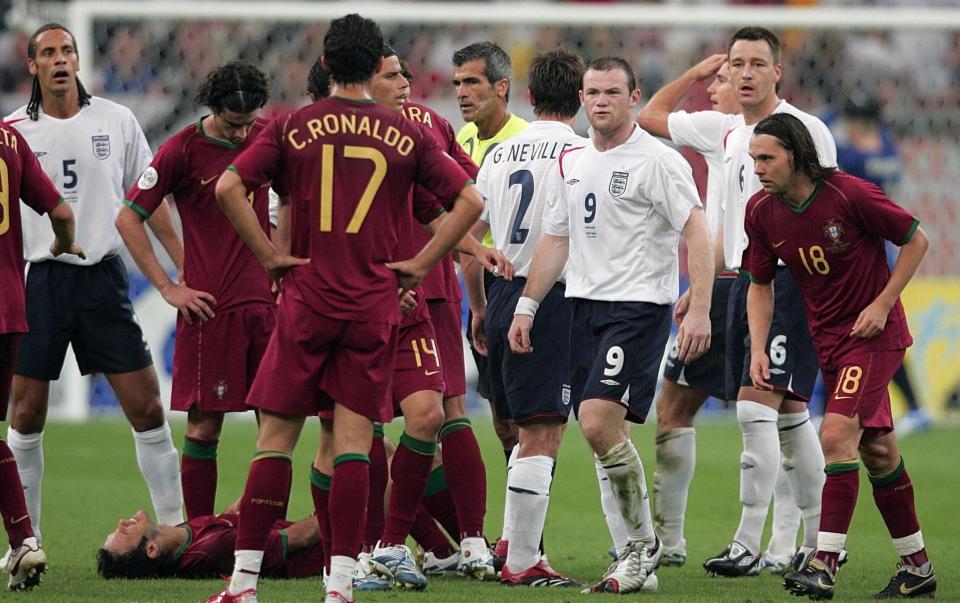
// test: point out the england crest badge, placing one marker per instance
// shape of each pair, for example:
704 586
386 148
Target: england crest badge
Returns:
101 146
618 183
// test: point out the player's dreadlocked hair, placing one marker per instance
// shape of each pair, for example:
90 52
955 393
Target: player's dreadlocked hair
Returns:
318 82
36 94
554 79
497 61
794 137
237 86
135 565
351 49
612 63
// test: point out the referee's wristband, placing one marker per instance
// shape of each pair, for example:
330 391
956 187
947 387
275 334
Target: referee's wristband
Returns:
527 306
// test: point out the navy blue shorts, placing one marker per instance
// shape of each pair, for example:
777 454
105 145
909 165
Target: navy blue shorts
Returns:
88 307
615 353
483 369
529 386
708 373
793 360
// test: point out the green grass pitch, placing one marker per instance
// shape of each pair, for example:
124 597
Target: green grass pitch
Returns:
92 480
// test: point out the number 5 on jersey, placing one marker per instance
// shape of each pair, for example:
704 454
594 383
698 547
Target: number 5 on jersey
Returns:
369 193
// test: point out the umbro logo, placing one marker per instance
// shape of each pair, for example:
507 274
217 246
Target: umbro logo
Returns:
572 181
610 382
777 371
745 465
39 154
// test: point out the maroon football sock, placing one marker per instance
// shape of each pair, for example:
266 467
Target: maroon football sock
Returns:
378 487
838 501
468 484
198 476
439 503
893 494
348 503
425 531
12 505
320 491
264 498
410 468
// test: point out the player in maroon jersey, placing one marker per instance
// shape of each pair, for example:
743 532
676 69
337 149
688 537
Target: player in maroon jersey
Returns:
21 178
351 163
203 548
829 227
226 309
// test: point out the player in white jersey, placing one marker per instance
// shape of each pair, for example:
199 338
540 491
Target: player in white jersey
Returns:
626 200
93 150
516 179
775 424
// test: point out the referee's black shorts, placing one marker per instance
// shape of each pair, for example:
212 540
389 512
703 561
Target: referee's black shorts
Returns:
87 306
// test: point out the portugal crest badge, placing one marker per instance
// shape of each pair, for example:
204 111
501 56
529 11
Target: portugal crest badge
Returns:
101 146
833 231
618 183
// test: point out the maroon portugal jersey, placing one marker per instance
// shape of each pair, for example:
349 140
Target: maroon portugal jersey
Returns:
216 260
833 246
347 167
442 281
21 177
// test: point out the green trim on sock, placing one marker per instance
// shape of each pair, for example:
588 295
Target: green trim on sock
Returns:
418 446
284 543
889 478
841 467
260 455
454 425
436 482
352 456
378 430
198 451
319 479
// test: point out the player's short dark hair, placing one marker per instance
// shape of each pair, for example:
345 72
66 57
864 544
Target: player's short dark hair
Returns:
36 94
405 71
554 79
611 63
318 82
497 65
794 136
237 86
351 49
388 51
135 565
753 33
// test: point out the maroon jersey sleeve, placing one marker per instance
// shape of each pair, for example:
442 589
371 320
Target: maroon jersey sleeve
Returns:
881 216
759 260
460 155
36 189
438 173
261 163
158 180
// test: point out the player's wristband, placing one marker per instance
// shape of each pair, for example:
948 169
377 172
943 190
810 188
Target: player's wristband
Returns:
527 306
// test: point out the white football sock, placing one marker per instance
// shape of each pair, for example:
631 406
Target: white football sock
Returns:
160 465
246 571
341 575
758 470
505 532
611 512
786 517
676 458
28 450
528 490
800 448
628 483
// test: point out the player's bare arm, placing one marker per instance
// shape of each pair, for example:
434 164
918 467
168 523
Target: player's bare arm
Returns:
759 318
874 317
653 117
694 335
476 294
64 226
232 197
161 223
466 209
549 258
191 303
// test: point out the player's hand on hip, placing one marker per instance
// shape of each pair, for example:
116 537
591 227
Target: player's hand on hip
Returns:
408 300
190 302
479 332
75 249
760 370
519 334
279 265
871 321
409 272
681 307
694 336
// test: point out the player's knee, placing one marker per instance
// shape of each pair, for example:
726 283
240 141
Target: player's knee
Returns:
507 432
455 407
879 456
429 421
26 418
836 443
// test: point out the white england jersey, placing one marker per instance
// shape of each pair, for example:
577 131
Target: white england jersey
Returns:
93 158
704 131
740 183
516 180
623 210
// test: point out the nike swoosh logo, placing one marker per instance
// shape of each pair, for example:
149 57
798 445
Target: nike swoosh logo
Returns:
19 519
842 397
207 181
905 590
428 373
775 245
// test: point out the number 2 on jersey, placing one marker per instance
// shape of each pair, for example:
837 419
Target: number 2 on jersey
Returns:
525 179
369 193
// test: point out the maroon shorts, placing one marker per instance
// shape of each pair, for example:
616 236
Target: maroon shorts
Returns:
351 362
418 366
445 317
857 385
214 362
9 342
